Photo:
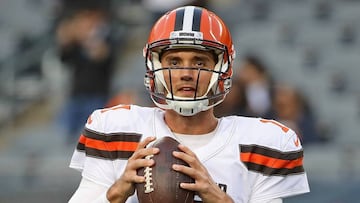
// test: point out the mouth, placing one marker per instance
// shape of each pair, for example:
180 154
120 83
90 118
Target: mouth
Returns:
186 91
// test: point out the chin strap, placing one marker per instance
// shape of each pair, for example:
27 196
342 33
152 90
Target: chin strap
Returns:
188 108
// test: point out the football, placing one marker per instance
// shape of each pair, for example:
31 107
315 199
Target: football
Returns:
162 182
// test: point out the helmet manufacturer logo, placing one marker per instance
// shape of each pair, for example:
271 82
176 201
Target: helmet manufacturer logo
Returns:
186 34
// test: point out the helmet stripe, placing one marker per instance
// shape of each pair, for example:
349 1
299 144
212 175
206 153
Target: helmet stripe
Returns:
188 19
197 19
179 20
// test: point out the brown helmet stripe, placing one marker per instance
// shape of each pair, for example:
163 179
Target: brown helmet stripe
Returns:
179 19
197 19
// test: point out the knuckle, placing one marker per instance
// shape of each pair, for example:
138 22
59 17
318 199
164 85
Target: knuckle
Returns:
192 160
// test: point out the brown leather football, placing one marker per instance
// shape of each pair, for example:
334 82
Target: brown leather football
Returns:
162 182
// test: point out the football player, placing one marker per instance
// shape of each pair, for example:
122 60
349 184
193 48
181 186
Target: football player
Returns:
188 59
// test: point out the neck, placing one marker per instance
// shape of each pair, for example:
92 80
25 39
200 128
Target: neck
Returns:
201 123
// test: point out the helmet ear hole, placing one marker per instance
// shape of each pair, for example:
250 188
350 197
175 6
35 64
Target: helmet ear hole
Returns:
227 84
147 82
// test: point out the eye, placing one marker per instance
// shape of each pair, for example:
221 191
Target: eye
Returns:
173 62
199 63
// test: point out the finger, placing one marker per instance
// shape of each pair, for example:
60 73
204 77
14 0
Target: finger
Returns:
189 186
133 165
139 179
186 149
192 170
141 153
191 173
141 150
188 156
184 169
145 142
141 163
195 169
131 176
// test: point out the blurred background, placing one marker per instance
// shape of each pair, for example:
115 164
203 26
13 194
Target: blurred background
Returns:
298 61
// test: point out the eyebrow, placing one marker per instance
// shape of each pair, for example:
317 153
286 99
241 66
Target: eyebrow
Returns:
196 58
203 58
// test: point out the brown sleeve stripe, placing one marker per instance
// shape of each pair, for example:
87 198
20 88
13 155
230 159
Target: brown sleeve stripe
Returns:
271 152
109 155
110 137
273 171
271 162
108 146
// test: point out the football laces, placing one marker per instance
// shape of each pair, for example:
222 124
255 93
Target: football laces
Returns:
148 176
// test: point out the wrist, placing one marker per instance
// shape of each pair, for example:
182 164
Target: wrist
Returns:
219 198
117 193
226 199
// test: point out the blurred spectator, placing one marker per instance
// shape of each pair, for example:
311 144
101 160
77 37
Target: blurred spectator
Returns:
86 46
158 7
130 95
338 82
250 94
126 97
348 34
323 10
287 34
292 109
235 101
261 10
254 75
311 58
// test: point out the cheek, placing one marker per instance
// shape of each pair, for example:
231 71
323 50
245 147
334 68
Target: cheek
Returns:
204 80
167 78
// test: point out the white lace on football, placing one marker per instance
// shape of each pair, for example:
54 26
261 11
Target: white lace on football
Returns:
148 177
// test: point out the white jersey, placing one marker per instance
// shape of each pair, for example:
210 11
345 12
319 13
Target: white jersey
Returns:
251 159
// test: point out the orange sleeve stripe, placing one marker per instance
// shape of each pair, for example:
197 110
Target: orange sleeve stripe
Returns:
108 146
82 139
269 161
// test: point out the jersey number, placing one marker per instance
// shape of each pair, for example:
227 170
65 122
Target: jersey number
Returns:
116 107
283 128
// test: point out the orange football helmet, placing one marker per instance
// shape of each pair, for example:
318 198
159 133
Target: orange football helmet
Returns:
195 28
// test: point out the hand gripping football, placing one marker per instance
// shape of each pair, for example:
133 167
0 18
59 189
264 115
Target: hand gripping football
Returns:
162 183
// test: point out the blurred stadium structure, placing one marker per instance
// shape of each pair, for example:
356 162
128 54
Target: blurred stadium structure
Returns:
313 44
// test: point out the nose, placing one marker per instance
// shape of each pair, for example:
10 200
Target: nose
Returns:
187 74
187 78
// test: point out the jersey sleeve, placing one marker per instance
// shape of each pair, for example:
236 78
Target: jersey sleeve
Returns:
276 167
104 146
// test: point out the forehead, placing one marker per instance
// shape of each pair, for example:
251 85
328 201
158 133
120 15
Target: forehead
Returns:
187 53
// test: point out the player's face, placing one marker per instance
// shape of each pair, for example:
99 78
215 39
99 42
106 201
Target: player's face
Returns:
187 82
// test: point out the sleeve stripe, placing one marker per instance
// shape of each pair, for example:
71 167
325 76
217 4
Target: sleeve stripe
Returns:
110 155
109 146
271 152
80 147
273 171
110 137
271 162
